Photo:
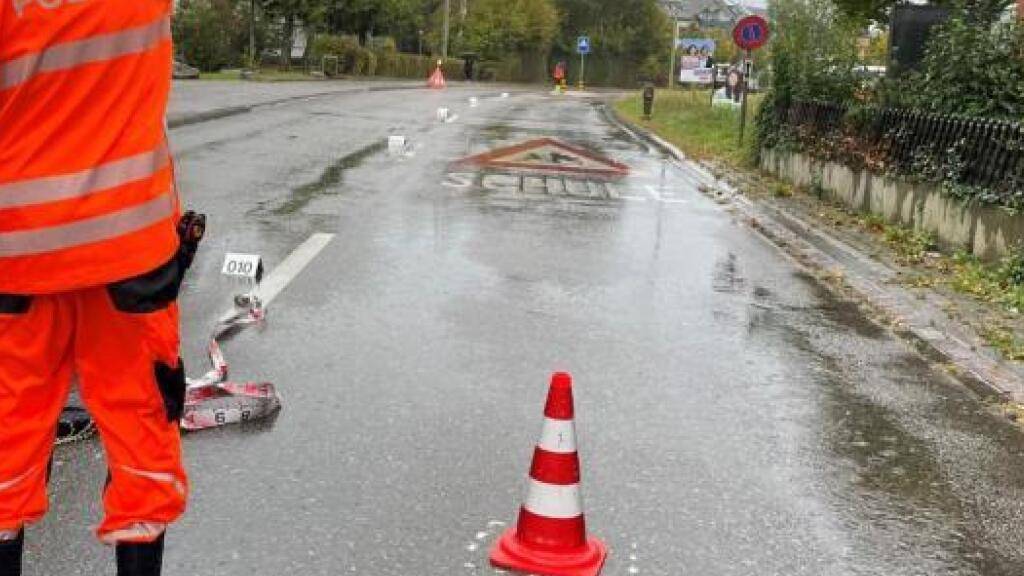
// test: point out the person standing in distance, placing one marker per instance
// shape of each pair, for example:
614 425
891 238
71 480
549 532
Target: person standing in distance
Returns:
91 261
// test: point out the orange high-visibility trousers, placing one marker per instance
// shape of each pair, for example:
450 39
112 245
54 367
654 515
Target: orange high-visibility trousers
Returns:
131 380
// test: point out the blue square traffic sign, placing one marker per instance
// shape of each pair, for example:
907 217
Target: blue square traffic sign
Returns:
583 45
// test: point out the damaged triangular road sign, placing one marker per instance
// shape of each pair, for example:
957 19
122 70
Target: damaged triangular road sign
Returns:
548 157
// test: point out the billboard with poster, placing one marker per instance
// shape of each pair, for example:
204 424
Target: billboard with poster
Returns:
696 60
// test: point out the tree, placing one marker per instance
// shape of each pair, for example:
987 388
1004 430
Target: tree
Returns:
209 33
969 69
289 13
401 19
880 10
867 10
498 29
814 52
629 37
875 48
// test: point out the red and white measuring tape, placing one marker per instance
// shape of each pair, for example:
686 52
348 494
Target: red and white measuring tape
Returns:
212 401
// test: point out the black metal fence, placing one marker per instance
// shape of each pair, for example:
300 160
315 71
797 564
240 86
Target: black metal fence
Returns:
975 152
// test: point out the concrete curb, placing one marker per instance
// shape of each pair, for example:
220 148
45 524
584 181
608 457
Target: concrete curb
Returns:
177 121
952 343
206 116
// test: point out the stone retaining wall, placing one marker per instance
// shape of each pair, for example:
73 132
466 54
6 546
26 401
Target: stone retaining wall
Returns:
986 231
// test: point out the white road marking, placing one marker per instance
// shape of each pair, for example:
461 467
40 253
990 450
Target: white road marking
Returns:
292 266
656 194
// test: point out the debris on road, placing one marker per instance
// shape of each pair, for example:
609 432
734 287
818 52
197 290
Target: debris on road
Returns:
212 400
74 424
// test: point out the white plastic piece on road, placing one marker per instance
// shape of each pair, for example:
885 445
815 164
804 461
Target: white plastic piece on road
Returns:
474 101
442 114
504 94
397 144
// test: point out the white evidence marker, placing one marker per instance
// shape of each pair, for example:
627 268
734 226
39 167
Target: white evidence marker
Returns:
237 265
397 144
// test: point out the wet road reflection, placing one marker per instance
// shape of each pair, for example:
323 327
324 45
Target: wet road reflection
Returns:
734 418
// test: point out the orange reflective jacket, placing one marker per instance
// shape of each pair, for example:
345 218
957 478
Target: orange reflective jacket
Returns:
86 191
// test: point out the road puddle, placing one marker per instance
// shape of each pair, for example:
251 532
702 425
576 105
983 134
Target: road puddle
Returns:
329 181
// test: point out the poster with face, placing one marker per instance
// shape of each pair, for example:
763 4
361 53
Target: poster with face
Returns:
697 60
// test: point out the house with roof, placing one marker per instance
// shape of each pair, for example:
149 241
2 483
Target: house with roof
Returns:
712 13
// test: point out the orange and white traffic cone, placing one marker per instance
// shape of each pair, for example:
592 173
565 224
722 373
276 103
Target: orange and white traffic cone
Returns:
436 79
551 536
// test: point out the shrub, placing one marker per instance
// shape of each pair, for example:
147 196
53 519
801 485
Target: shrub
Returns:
971 69
384 44
345 48
366 63
206 33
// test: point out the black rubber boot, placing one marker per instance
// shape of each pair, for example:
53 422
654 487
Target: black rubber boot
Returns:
140 559
10 556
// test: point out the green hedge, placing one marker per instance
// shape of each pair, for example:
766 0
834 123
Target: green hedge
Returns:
385 61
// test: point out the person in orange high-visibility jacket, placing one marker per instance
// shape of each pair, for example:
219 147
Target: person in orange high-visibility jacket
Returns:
559 75
90 264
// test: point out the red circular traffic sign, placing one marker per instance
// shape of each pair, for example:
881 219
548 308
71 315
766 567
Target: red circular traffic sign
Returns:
751 33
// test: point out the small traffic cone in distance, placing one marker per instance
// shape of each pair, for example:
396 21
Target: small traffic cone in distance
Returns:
551 535
436 79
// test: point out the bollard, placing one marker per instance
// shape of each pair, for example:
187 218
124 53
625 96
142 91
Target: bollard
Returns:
648 101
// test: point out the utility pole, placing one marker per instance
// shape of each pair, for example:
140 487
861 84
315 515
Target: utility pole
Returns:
252 34
675 45
583 68
447 25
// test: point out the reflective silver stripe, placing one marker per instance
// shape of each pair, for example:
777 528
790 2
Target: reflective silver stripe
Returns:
98 229
79 52
66 186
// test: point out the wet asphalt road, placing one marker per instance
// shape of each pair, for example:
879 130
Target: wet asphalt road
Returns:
734 418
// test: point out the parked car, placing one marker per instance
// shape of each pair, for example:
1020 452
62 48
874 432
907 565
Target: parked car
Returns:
183 71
